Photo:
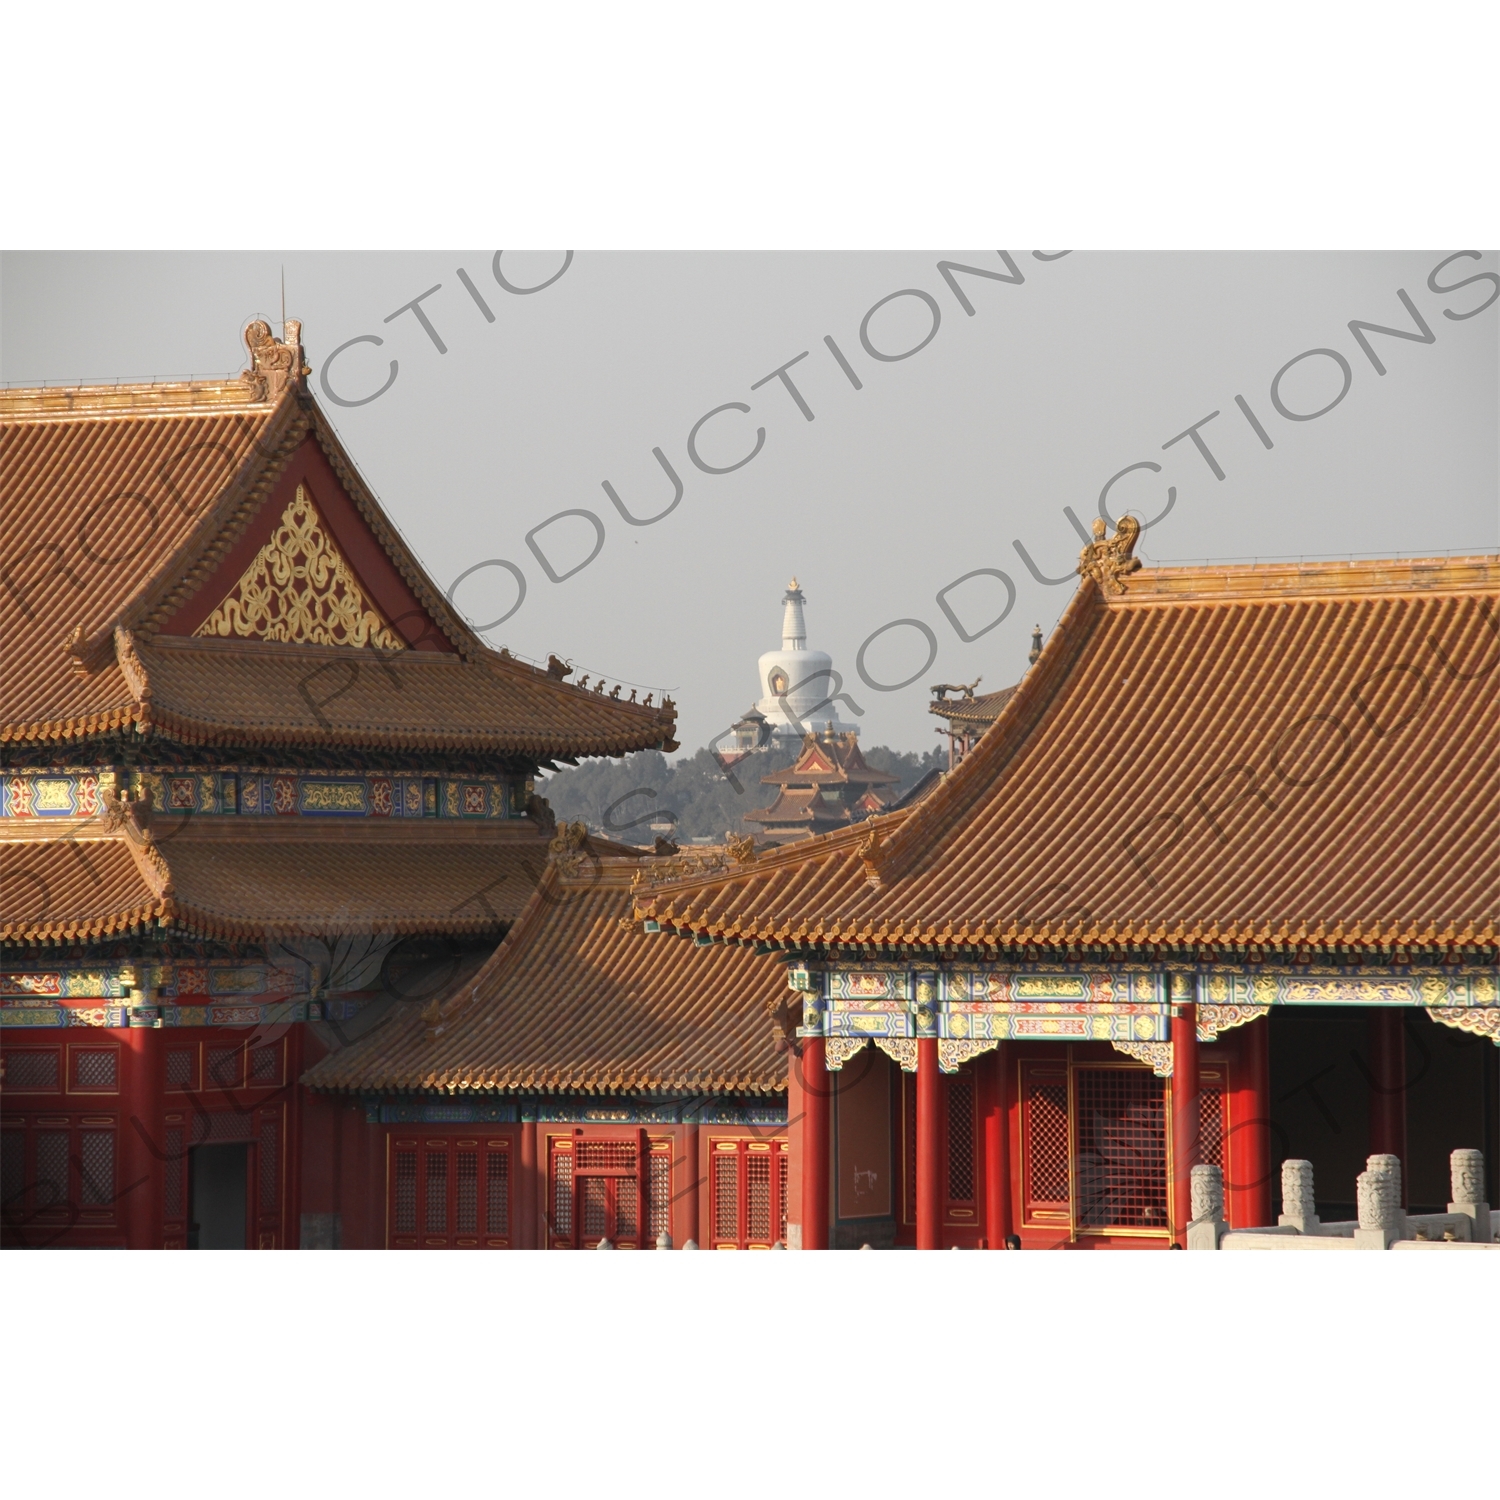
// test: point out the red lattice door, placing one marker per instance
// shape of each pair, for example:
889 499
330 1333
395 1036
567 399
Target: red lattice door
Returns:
748 1184
450 1193
1213 1122
1121 1150
611 1187
958 1115
1046 1157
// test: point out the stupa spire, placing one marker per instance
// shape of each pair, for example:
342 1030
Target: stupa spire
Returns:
793 626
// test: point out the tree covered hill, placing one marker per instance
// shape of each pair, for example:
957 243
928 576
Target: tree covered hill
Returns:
699 795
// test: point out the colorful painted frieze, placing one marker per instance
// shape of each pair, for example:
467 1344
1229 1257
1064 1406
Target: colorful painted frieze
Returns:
1121 989
574 1111
49 794
194 792
63 1015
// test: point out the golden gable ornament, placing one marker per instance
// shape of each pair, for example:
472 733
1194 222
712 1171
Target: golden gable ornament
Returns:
299 588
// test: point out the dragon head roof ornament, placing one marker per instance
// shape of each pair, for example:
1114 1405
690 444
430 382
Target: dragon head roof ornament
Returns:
568 850
274 363
872 850
1108 560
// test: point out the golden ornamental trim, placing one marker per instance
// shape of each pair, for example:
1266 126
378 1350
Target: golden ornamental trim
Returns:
1212 1019
954 1053
1156 1055
901 1049
300 588
1477 1022
837 1050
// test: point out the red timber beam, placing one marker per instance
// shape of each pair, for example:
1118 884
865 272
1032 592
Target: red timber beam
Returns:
929 1146
1248 1169
1184 1117
997 1149
1387 1074
815 1143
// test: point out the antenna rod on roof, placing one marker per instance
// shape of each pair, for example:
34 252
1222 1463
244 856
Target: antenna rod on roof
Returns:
283 302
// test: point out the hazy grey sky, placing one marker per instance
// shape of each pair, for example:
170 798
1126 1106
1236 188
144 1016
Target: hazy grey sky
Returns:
933 469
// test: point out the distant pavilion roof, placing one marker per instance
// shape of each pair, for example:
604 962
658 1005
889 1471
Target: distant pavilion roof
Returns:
972 714
1202 757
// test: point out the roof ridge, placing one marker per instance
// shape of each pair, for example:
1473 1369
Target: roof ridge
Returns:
396 547
797 852
1248 582
60 403
179 575
1027 706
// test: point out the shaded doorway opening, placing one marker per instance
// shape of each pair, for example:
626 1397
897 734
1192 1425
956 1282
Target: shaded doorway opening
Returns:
217 1213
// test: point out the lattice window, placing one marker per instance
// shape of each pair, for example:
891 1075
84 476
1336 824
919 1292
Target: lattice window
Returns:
659 1186
31 1070
562 1194
265 1065
172 1170
179 1069
406 1192
12 1166
782 1164
467 1220
960 1140
1122 1149
1047 1142
223 1127
620 1155
437 1192
96 1070
96 1154
269 1162
726 1196
51 1169
1211 1125
758 1196
627 1208
497 1192
224 1067
593 1208
453 1191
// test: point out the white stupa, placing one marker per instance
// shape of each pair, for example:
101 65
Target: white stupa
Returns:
796 684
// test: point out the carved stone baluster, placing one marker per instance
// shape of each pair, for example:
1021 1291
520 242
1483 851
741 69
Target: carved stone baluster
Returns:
1467 1168
1206 1188
1378 1195
1298 1204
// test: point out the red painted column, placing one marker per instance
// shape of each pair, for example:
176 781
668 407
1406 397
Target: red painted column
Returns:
689 1227
142 1133
292 1150
1248 1170
528 1191
1184 1120
1387 1042
929 1147
997 1150
377 1184
815 1145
